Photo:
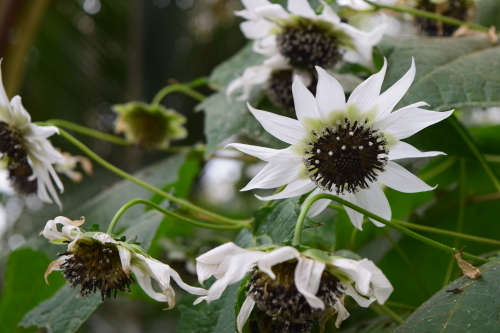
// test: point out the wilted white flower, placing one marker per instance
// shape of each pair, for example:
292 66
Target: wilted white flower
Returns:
98 261
344 148
69 163
293 287
29 153
295 41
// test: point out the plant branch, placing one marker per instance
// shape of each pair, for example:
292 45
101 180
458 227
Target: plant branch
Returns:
89 131
480 157
429 15
215 217
131 203
185 88
423 239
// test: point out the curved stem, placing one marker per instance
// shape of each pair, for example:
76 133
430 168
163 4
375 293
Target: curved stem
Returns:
215 217
89 131
166 212
480 157
429 15
181 87
438 231
423 239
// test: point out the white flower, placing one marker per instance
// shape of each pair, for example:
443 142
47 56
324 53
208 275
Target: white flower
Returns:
28 151
362 5
321 279
344 148
298 40
97 261
69 163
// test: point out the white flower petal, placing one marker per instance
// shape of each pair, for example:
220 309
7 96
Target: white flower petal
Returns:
342 313
307 279
125 257
305 103
329 95
355 217
382 288
374 200
350 291
383 122
404 150
20 117
245 311
256 28
364 97
356 272
275 175
328 14
272 11
363 43
251 76
283 128
144 281
269 154
388 100
402 180
301 8
277 61
405 123
239 265
207 263
293 189
54 266
103 238
186 287
275 257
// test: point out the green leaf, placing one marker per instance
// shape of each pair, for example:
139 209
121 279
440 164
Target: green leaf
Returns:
451 73
472 307
63 312
94 227
66 311
24 286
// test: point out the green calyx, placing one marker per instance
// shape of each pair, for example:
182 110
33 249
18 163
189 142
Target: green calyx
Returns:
149 126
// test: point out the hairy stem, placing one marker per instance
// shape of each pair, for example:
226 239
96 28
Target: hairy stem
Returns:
213 216
472 146
429 15
131 203
438 231
423 239
185 88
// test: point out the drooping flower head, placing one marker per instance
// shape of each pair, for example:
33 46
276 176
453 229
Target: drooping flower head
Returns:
344 148
295 41
149 126
295 288
97 261
29 153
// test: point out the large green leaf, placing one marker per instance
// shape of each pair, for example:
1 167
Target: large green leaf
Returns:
65 311
451 73
25 286
465 305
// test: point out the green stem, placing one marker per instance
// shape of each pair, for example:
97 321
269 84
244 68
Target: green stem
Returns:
423 239
475 151
383 309
461 214
429 15
415 226
131 203
89 132
181 87
401 305
403 255
216 218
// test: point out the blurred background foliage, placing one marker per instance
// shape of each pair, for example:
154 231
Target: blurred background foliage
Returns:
74 59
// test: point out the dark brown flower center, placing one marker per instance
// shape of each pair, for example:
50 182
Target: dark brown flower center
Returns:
96 267
346 157
279 89
19 168
307 44
280 299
